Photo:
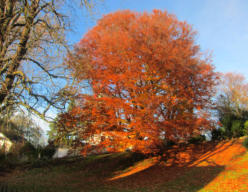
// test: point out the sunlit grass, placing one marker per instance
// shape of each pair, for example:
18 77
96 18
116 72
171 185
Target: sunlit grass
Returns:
139 166
233 178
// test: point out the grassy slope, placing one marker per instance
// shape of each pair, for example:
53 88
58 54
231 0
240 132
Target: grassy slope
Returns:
208 167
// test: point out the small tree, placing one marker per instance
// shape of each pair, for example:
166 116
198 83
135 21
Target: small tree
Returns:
149 79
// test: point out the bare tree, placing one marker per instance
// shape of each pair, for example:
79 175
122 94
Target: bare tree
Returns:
32 44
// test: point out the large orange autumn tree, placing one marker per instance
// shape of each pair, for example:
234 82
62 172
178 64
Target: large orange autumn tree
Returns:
150 83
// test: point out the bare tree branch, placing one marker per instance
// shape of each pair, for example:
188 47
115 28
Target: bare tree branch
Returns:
32 43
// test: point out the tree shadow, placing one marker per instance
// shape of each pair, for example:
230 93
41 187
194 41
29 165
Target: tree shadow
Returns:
159 177
180 170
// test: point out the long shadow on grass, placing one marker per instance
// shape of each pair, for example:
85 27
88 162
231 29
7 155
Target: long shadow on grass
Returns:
178 175
167 178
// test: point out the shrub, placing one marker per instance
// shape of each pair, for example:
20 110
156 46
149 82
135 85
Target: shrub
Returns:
237 128
246 128
48 151
197 139
28 150
170 143
2 155
245 143
218 134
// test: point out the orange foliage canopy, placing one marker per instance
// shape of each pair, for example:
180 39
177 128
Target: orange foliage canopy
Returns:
149 79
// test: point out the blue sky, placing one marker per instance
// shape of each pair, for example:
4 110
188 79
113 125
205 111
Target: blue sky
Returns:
222 26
